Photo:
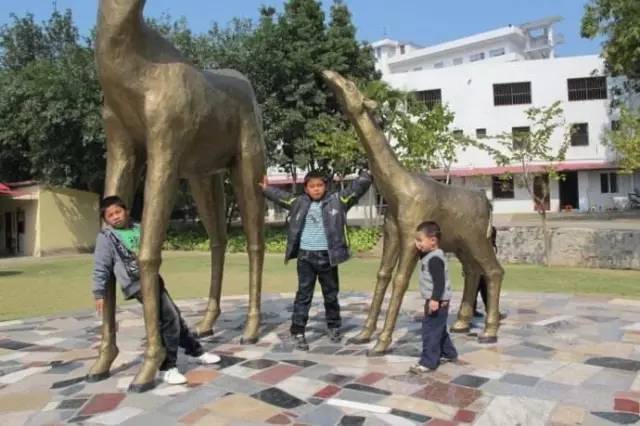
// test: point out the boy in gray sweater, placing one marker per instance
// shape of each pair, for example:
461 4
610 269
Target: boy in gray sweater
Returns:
435 287
115 255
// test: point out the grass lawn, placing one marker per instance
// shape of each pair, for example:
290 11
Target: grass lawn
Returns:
33 287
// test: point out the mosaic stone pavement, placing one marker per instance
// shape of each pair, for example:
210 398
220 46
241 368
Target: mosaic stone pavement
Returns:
560 360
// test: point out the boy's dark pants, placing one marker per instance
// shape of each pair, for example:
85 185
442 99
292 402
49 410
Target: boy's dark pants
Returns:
436 342
482 290
314 265
174 330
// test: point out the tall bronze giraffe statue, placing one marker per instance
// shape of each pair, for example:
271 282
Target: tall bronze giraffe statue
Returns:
162 112
464 215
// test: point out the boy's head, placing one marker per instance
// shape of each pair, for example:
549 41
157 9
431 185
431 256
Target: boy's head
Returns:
427 237
114 211
315 184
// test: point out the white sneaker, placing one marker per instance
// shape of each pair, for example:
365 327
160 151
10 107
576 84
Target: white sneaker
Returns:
205 359
173 377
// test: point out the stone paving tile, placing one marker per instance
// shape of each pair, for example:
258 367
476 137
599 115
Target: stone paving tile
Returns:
555 363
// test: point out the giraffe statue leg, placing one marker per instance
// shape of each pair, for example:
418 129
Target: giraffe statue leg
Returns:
160 189
208 193
406 265
123 172
390 252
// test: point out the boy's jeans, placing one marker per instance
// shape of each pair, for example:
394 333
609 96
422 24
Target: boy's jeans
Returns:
436 342
174 330
312 265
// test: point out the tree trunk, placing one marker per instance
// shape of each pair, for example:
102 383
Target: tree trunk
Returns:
545 237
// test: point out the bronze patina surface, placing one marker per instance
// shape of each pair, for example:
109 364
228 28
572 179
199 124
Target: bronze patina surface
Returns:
464 215
171 120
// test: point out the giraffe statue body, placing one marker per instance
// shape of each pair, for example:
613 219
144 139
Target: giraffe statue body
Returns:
464 216
180 122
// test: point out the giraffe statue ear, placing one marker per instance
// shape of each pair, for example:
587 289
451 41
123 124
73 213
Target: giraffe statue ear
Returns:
370 105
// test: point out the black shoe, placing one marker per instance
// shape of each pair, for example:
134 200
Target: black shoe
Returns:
477 314
300 342
502 316
334 335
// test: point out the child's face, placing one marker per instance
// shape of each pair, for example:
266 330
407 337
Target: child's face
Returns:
116 216
315 188
424 243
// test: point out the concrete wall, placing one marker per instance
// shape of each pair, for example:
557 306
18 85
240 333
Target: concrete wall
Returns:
580 247
69 220
468 90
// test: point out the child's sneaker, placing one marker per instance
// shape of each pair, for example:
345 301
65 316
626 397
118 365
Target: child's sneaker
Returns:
206 358
300 342
420 369
334 335
173 377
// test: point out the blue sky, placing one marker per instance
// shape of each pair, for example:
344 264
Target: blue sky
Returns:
421 21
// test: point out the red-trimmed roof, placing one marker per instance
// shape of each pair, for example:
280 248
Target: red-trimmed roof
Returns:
564 166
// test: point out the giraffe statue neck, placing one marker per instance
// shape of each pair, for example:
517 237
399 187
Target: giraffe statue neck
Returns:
385 166
120 22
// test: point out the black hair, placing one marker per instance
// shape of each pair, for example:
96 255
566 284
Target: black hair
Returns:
112 200
430 229
315 174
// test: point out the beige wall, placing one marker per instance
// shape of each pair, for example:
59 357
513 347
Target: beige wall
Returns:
68 220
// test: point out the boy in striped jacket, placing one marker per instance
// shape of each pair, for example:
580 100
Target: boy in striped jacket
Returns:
317 238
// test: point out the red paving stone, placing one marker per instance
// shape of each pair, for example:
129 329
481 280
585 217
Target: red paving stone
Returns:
465 416
194 416
327 392
371 378
448 394
440 422
101 403
627 401
201 376
276 374
279 419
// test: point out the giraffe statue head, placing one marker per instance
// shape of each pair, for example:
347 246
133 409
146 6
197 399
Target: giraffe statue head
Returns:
353 102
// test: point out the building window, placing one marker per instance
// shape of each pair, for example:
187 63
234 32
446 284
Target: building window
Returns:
584 89
458 133
502 187
580 134
438 65
457 61
512 93
481 133
431 98
496 52
402 49
608 183
615 125
378 52
476 57
417 69
520 135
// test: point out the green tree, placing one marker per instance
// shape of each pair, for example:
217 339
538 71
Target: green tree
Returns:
527 148
625 139
618 21
50 120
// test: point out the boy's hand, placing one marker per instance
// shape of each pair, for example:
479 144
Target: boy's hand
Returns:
99 306
264 183
434 305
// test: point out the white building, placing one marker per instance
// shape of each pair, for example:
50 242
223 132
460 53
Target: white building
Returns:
488 80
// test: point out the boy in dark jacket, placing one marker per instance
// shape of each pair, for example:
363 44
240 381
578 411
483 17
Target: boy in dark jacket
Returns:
317 238
116 251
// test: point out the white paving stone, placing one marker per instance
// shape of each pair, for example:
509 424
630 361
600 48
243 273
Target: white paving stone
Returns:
337 402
